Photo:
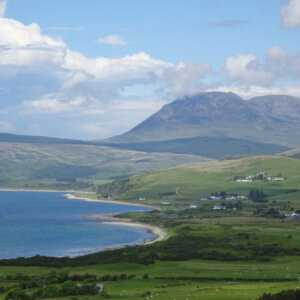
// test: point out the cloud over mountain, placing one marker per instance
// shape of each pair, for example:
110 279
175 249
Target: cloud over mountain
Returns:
42 77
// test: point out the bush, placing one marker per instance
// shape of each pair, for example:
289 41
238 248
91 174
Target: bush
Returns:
283 295
17 294
69 288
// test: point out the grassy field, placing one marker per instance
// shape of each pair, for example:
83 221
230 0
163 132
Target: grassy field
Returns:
253 279
187 184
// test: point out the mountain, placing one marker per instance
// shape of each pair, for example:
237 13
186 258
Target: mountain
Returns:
268 119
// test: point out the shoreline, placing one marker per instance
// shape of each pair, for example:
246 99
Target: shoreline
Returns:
71 196
110 218
44 191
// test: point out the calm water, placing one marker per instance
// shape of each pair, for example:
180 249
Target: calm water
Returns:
47 224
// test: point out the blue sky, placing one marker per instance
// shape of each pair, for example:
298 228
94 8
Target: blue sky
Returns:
93 69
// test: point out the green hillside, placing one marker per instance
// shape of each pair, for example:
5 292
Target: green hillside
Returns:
292 154
34 165
190 182
214 147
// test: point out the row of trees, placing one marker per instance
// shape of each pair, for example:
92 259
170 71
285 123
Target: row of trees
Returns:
257 196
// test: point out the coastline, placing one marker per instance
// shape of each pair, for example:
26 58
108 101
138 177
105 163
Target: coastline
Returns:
71 196
44 191
110 218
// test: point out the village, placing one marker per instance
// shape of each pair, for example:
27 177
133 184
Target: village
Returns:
261 176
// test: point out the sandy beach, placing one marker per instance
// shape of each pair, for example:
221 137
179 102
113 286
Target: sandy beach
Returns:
71 196
111 218
46 191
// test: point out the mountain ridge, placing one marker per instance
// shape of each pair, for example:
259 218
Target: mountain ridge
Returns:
270 119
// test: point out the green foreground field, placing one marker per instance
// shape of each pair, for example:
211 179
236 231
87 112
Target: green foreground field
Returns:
190 287
210 254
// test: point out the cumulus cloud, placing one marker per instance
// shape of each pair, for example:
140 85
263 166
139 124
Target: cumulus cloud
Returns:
277 65
185 78
247 68
275 53
290 14
250 91
24 48
113 40
283 64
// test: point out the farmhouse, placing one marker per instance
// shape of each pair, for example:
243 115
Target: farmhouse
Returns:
219 207
191 206
278 179
244 180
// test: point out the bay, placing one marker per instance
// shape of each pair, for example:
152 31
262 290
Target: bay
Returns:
46 223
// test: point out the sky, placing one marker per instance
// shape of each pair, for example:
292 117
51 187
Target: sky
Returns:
94 69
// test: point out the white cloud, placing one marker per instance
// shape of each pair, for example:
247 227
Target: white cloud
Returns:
24 48
246 68
185 78
113 40
250 91
275 53
53 103
290 14
3 5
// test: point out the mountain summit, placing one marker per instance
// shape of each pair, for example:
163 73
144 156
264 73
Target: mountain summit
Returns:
271 119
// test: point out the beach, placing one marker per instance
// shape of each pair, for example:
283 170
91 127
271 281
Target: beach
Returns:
111 218
71 196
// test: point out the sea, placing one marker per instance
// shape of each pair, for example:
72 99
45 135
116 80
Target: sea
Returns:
47 223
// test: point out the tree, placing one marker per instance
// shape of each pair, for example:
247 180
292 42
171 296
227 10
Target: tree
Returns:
17 294
69 288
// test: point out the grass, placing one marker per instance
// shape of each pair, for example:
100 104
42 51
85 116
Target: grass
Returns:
192 288
193 181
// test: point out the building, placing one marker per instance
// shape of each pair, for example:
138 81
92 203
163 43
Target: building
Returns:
218 207
193 206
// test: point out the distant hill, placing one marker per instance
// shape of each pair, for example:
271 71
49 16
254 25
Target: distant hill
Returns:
267 119
15 138
213 147
50 165
191 181
292 154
